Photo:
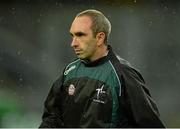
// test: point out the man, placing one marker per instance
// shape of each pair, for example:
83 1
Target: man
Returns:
99 89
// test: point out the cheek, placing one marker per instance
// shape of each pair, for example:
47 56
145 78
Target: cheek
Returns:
91 47
88 46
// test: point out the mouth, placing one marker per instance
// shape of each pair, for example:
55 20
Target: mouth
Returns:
78 51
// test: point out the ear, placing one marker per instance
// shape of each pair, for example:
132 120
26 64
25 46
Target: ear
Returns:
100 38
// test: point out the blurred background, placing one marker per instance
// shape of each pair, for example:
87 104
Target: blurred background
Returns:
35 47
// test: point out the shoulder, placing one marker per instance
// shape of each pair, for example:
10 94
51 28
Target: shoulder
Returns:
74 62
130 76
126 69
123 62
69 67
72 65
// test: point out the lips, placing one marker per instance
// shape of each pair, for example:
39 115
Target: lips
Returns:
78 51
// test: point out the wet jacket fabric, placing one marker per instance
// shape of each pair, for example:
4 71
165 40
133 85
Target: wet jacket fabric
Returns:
105 93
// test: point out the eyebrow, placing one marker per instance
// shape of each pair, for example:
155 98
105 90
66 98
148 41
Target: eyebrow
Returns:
78 33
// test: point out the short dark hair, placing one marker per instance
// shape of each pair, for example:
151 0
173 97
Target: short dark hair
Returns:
99 22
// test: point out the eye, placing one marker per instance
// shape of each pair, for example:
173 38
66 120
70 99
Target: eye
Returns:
79 34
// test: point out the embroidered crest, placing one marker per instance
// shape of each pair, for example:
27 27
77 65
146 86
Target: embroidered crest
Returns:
71 89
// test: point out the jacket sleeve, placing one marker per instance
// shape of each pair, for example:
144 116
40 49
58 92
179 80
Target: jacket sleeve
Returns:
139 102
52 110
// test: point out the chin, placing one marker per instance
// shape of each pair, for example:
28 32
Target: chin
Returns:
82 58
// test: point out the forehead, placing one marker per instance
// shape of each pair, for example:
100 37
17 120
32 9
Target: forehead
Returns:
82 23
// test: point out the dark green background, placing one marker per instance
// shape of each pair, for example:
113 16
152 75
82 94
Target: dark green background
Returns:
35 47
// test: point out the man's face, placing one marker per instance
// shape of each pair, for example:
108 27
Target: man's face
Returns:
83 41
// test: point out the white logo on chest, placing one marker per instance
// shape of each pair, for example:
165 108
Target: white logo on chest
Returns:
69 69
99 92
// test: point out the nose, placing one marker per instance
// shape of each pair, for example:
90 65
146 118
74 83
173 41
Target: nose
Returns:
74 42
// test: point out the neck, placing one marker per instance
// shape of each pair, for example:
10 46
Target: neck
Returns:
100 52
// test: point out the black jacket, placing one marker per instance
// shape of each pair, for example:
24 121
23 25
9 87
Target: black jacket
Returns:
105 93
